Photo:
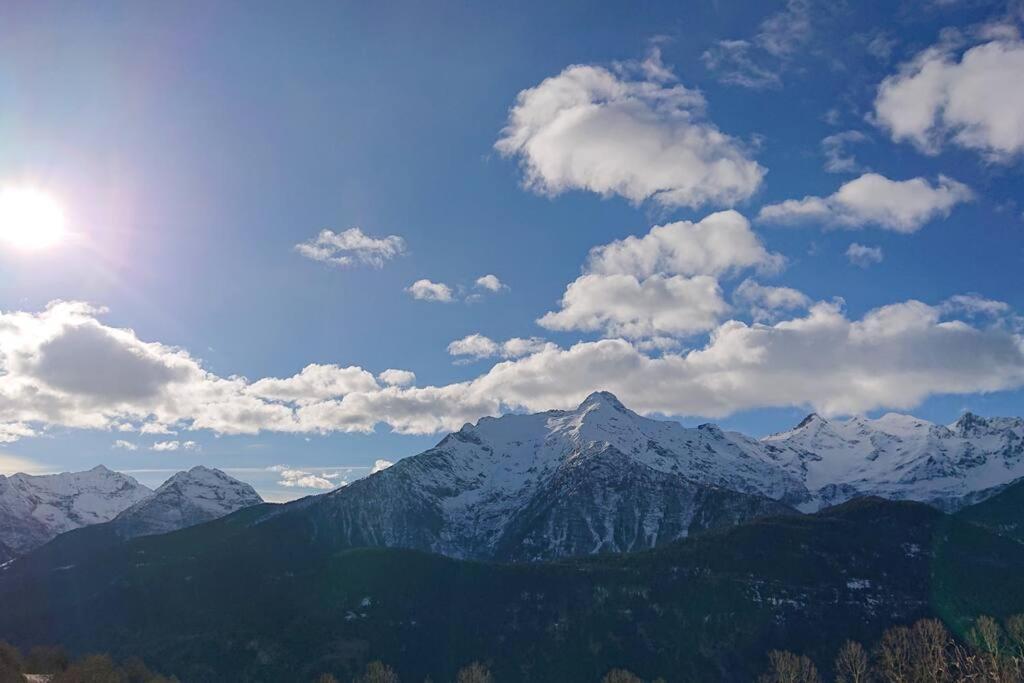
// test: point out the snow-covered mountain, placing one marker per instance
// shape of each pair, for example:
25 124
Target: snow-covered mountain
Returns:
901 457
35 508
199 495
599 478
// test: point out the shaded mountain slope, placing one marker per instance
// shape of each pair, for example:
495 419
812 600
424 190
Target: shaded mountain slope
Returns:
242 598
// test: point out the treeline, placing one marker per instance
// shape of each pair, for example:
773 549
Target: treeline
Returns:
56 666
923 653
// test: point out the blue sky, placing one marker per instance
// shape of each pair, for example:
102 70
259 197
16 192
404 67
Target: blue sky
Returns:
192 147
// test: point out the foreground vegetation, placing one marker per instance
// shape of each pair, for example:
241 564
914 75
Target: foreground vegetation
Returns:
237 600
56 666
925 652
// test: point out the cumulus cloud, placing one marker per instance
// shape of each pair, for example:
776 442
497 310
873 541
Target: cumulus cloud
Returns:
380 466
125 445
397 378
350 247
174 446
477 346
664 283
974 99
491 283
863 256
295 478
837 159
314 383
719 244
766 302
425 290
873 199
893 357
631 131
622 305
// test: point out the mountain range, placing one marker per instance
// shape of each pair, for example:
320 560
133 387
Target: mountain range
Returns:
601 478
35 509
552 546
598 478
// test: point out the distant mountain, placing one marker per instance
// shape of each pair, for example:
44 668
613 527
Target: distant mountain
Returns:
255 597
34 509
901 457
599 478
193 497
101 504
199 495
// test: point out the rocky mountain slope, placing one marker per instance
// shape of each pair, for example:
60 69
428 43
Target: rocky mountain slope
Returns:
36 508
599 478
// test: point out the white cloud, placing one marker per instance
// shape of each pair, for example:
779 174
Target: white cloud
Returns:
491 283
314 383
765 302
425 290
295 478
837 159
759 63
894 357
125 445
478 346
974 305
174 445
380 466
735 63
622 305
663 283
873 199
397 378
721 243
350 247
975 101
864 256
632 131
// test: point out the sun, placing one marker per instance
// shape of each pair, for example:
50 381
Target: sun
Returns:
30 219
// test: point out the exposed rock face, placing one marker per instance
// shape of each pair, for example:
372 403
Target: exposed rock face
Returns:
599 478
34 509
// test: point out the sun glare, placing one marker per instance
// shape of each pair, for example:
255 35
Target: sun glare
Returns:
30 219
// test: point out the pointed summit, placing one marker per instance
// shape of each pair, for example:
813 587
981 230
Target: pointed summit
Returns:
187 498
602 399
811 420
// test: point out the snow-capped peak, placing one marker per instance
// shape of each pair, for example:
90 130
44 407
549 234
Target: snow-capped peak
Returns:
189 497
35 508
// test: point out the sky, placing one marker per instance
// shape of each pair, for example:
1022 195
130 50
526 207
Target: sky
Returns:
297 242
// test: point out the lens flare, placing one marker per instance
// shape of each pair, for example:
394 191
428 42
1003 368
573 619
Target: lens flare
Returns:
30 219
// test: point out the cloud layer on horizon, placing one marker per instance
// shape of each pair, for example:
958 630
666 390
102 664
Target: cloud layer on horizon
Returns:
893 357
